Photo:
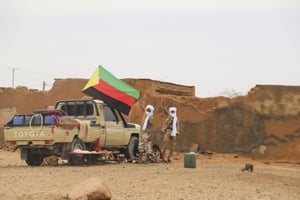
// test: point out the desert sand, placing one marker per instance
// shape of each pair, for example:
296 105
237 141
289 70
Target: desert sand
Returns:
218 176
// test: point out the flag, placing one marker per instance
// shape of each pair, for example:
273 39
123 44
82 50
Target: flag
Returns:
116 93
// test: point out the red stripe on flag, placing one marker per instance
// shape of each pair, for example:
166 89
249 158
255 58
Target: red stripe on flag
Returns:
114 93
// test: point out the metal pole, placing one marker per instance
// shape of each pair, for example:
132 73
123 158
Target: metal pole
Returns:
13 75
13 78
44 85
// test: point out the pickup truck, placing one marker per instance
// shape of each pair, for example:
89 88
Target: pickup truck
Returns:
74 125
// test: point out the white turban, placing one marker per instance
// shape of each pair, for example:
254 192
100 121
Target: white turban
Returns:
172 111
148 115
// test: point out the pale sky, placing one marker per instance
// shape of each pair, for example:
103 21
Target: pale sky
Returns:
214 45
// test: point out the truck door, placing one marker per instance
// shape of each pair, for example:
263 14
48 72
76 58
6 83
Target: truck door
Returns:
114 128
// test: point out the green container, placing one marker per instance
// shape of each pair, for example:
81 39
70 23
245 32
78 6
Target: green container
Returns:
190 160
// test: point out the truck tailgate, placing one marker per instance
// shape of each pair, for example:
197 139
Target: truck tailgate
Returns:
22 135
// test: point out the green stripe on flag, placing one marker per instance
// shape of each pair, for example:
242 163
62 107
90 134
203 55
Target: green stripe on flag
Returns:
116 83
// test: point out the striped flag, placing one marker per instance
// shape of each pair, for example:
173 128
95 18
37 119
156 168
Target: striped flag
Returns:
116 93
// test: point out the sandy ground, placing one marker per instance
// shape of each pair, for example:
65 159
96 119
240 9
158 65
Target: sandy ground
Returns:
215 177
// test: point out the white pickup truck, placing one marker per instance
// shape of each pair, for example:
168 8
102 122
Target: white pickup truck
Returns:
76 124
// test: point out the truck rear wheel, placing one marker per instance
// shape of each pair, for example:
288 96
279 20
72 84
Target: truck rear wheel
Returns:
77 159
34 159
132 148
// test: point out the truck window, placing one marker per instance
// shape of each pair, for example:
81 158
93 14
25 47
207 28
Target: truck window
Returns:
109 114
84 109
79 109
71 110
89 109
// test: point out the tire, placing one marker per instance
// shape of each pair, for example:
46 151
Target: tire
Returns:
132 148
34 159
77 159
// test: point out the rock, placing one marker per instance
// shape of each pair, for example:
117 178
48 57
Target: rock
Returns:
259 150
248 167
92 188
51 160
262 149
194 148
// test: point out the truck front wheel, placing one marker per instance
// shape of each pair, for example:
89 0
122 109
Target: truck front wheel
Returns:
132 148
34 159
